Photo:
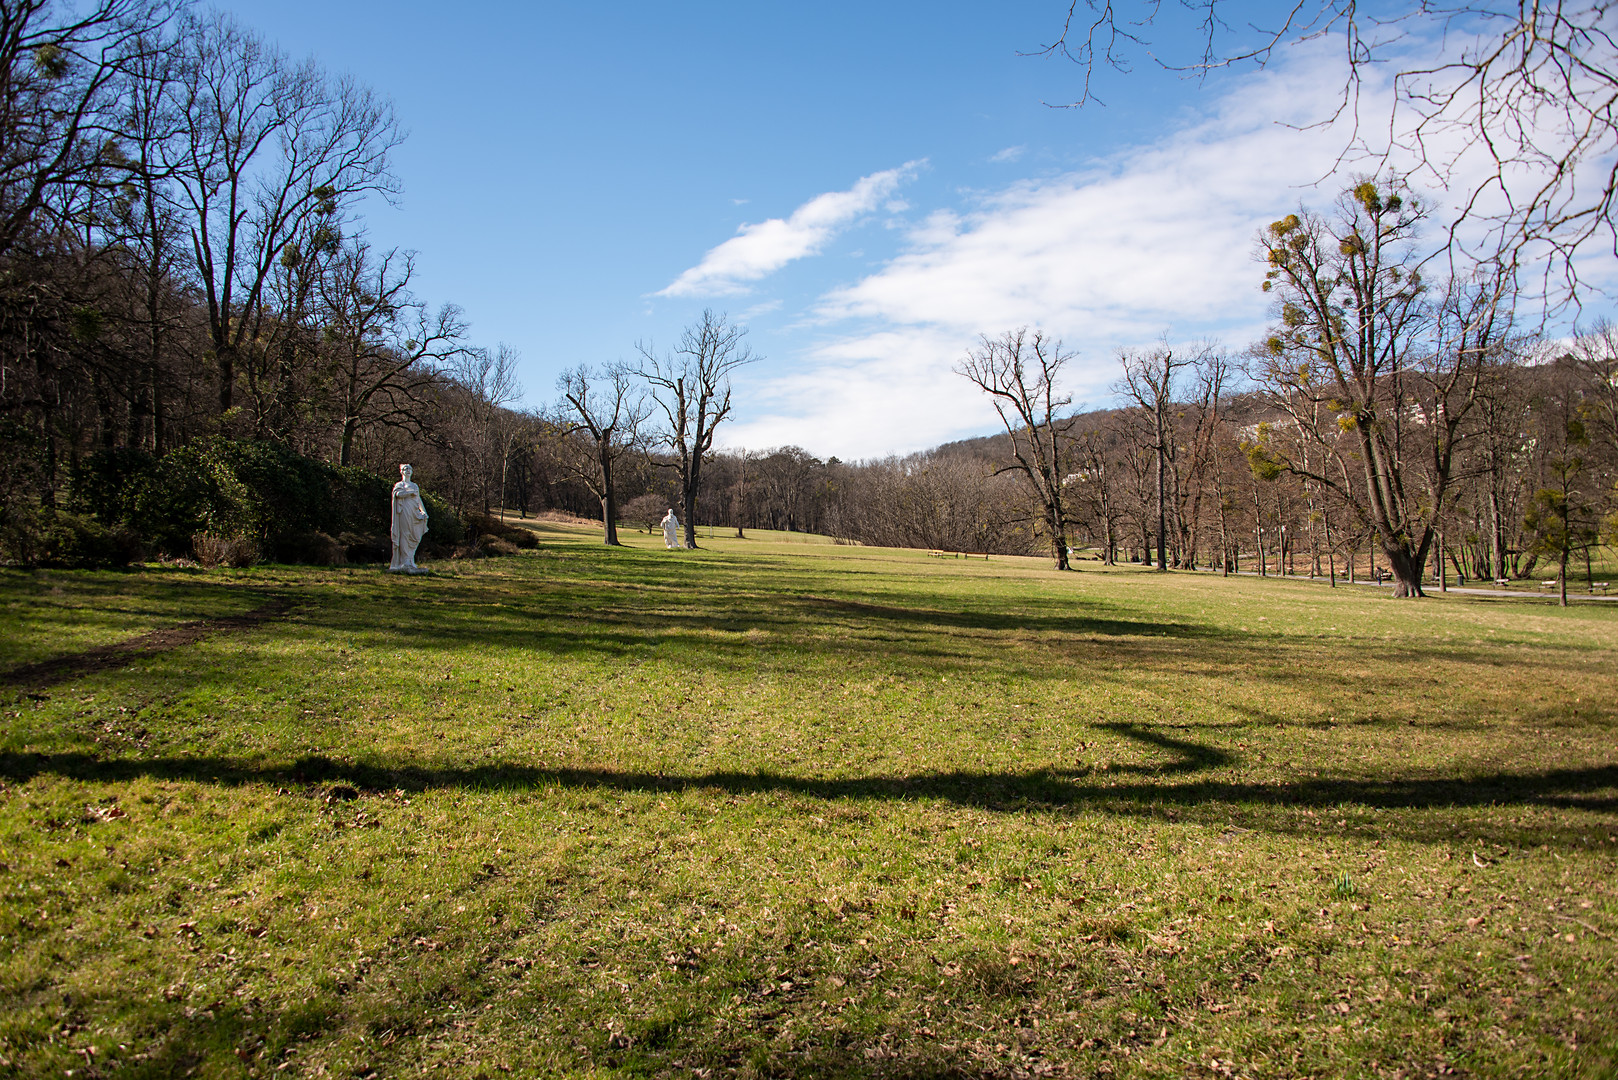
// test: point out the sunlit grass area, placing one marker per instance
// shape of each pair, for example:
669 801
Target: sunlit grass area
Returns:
774 808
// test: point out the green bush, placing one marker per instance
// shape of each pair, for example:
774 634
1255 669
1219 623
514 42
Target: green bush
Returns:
104 484
366 547
75 540
313 548
287 506
229 488
445 529
36 535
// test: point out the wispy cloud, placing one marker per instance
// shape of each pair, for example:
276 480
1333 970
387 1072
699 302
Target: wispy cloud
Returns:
1158 239
762 308
1010 153
758 250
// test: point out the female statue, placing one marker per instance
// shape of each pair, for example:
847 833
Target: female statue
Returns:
409 523
671 530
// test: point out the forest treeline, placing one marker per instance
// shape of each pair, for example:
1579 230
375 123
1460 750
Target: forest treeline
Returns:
199 345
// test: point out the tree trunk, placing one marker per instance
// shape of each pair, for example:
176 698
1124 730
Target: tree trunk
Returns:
1162 509
159 435
1407 571
1258 530
227 378
1331 553
346 446
690 505
609 504
1497 542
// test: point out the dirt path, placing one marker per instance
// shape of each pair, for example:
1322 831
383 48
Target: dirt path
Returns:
107 657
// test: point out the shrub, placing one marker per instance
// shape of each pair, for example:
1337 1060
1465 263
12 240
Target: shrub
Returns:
315 548
359 548
75 540
445 529
35 535
104 483
485 525
495 545
281 503
212 551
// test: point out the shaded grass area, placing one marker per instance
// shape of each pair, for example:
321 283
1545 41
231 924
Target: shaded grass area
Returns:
49 615
778 810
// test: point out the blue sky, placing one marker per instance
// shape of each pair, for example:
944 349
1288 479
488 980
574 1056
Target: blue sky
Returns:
867 186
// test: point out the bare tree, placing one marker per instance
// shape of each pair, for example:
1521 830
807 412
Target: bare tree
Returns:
1369 369
1595 353
269 146
386 349
63 70
1563 518
602 415
144 224
691 388
488 378
1212 369
1019 371
1149 381
1096 488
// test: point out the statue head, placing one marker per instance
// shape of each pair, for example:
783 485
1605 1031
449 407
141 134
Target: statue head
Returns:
404 472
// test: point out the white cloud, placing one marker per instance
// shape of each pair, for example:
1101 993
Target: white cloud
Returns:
1010 153
1157 239
758 250
863 397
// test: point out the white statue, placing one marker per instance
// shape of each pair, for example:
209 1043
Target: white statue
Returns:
671 530
409 523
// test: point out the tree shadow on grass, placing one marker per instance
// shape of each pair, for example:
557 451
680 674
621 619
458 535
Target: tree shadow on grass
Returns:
1194 756
1592 789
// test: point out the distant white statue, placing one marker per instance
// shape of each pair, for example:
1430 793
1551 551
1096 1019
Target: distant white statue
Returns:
409 523
671 530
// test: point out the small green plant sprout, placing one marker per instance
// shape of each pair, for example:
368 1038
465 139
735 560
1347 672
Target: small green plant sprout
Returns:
1345 888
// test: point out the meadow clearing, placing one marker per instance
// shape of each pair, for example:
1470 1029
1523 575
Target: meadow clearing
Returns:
787 809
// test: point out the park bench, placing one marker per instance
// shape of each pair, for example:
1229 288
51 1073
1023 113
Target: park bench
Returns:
1502 582
1600 585
1551 584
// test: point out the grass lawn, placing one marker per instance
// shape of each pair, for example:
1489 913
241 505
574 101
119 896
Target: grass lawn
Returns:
776 808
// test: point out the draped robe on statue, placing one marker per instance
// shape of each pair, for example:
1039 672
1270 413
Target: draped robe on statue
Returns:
409 521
